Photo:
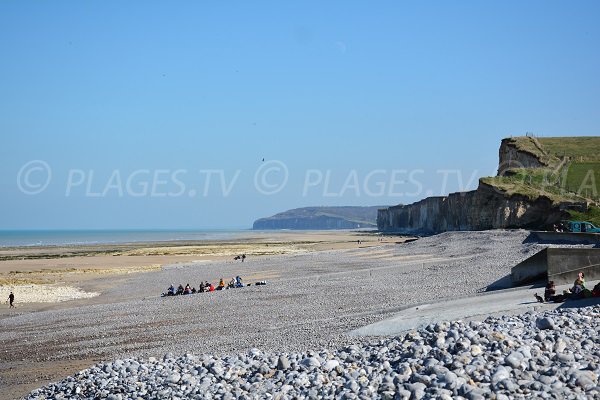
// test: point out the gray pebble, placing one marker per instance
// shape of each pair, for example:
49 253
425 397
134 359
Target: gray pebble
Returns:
545 323
509 359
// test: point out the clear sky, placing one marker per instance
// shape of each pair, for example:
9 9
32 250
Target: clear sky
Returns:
156 114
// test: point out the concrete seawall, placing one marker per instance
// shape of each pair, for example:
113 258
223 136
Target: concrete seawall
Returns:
566 237
560 265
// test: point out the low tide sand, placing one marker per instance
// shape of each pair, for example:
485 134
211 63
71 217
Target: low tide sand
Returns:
60 273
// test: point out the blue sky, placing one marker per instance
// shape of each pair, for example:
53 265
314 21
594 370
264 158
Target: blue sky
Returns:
350 97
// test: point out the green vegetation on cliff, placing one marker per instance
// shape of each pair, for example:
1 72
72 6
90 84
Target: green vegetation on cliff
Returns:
532 183
571 172
552 150
581 179
577 148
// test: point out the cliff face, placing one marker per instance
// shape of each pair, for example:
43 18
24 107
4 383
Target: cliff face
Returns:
487 207
484 208
512 157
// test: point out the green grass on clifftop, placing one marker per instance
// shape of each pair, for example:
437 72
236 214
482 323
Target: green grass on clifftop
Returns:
583 179
533 183
571 174
578 148
551 150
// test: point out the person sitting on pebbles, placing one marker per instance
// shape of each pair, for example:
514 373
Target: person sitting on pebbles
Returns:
221 284
171 291
211 287
238 282
577 291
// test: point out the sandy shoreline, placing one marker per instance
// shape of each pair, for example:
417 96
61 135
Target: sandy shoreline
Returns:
51 274
257 241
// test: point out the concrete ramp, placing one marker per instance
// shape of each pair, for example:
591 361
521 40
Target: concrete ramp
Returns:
558 265
501 302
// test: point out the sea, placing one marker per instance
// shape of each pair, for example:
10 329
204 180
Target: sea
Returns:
24 238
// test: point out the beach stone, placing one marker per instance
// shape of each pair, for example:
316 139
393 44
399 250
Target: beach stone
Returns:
584 383
310 362
217 370
585 378
545 323
451 379
500 374
174 378
352 385
388 395
511 386
565 357
331 365
560 345
264 369
404 369
283 363
514 359
540 336
475 395
547 379
417 390
442 326
475 350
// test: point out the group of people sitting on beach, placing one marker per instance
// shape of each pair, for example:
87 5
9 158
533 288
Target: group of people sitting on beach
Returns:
578 291
236 282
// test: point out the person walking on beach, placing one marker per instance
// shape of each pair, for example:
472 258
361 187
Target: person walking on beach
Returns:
11 300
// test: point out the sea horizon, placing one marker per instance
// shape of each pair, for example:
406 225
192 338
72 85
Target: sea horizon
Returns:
82 237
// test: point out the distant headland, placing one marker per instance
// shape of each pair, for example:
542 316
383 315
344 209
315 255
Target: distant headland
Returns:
321 218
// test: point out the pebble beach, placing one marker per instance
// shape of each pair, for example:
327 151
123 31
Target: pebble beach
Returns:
551 355
290 337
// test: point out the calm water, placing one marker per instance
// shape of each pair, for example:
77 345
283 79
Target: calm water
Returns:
85 237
